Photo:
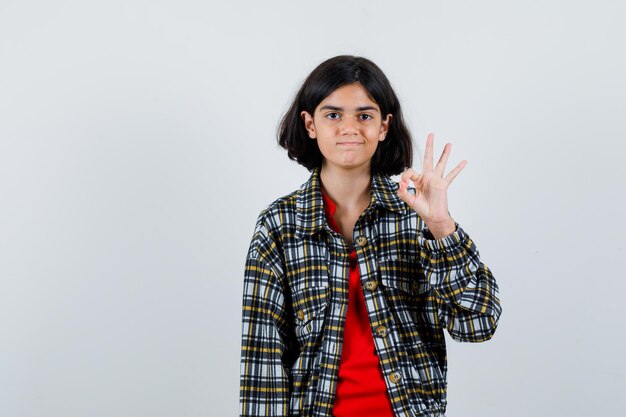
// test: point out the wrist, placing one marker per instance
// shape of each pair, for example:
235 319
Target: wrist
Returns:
440 230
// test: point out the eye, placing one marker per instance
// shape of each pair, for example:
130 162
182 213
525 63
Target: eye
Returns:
332 116
366 116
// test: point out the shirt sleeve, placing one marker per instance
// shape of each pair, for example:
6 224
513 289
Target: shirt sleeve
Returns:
467 292
265 376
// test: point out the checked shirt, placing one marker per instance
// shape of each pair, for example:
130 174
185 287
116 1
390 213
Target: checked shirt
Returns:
295 301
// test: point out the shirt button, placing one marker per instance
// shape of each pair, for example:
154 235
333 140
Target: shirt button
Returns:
381 331
395 377
361 240
300 315
371 285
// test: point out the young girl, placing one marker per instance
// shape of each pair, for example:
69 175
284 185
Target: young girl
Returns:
351 279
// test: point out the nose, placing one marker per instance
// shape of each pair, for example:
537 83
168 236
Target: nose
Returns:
348 126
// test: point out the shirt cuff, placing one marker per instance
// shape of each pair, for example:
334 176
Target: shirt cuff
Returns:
426 239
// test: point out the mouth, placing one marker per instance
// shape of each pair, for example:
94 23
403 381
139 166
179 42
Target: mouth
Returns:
349 143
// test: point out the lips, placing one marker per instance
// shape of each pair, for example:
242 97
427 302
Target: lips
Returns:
349 143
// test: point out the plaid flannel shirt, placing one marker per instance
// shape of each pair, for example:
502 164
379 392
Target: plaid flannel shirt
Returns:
295 301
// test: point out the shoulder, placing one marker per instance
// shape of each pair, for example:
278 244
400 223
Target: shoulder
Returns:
278 212
274 222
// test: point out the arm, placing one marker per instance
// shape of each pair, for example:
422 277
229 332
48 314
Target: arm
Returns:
465 288
265 377
469 304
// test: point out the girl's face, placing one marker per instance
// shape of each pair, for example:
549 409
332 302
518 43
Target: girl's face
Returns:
347 126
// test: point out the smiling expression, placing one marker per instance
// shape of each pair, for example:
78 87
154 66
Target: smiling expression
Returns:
347 125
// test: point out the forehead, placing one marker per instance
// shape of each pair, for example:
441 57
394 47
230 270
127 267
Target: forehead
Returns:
349 96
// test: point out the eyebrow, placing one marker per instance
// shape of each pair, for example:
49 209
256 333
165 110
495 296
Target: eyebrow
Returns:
362 108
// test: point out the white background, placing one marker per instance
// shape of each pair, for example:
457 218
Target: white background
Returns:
138 145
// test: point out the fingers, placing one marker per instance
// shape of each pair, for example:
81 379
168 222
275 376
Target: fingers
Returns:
410 175
428 155
452 174
403 189
443 160
403 193
419 178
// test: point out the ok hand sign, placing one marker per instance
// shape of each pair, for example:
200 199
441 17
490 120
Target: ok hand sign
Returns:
431 190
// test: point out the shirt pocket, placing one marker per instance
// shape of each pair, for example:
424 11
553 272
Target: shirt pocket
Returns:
410 300
404 275
309 307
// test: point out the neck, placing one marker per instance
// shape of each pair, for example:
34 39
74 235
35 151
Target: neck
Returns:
349 189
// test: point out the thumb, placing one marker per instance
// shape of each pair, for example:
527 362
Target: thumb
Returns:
404 193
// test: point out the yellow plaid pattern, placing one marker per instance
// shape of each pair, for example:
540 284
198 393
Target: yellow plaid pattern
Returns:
295 299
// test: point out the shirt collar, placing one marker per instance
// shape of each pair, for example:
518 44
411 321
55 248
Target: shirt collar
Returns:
310 214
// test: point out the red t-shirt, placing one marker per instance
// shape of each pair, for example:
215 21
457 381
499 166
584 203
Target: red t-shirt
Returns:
361 389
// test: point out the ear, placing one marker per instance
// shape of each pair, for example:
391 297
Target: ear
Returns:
384 127
308 123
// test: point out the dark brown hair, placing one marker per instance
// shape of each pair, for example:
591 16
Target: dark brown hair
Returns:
392 156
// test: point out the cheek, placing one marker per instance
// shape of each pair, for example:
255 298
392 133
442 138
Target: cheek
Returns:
373 134
323 146
374 130
325 128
